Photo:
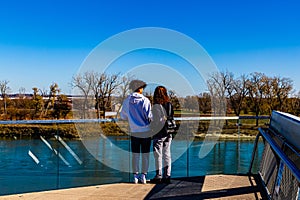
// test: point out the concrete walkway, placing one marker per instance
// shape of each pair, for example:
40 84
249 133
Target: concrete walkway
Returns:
203 187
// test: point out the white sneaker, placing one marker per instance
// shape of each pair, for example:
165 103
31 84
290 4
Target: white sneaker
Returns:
135 178
143 178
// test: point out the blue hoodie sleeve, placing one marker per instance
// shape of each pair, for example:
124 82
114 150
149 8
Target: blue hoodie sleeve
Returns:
124 110
147 107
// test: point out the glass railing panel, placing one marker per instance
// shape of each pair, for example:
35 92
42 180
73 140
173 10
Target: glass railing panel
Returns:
53 162
84 169
27 165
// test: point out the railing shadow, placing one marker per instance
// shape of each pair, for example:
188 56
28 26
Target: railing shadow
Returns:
191 188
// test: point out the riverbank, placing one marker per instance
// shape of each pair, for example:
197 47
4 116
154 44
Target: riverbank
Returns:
224 137
67 131
71 130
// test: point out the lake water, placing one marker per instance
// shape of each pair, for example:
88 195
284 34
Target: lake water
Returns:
45 164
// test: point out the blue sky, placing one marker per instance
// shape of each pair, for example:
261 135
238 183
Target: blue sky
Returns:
42 42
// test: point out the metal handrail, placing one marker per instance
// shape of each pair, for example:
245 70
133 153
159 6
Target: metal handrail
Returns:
65 121
278 151
59 121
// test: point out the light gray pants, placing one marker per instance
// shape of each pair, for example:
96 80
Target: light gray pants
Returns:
162 156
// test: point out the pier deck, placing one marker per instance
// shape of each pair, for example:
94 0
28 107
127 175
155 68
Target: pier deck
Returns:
202 187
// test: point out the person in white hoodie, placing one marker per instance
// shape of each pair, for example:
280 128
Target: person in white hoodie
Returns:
137 110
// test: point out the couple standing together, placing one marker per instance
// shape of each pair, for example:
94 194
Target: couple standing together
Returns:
138 111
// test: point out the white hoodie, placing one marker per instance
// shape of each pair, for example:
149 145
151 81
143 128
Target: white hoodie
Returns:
137 110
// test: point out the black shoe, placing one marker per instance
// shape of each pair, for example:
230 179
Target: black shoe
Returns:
167 180
156 180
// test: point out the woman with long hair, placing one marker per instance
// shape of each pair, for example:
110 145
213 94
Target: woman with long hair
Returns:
162 139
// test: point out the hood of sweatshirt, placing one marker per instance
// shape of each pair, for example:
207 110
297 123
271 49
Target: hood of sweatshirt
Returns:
135 98
137 110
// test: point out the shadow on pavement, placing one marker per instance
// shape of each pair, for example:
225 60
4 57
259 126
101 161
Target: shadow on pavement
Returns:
191 188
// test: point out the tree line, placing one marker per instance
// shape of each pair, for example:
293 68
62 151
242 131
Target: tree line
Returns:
255 94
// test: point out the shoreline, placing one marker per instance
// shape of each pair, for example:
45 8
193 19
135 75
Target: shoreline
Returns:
224 136
70 131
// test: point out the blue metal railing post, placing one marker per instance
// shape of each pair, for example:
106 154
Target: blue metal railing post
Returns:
253 153
187 153
57 155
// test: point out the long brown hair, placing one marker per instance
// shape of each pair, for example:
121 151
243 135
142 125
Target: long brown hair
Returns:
160 95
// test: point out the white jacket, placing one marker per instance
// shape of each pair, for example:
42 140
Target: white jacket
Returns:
137 110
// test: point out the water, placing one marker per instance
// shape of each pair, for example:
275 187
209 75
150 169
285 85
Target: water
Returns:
36 165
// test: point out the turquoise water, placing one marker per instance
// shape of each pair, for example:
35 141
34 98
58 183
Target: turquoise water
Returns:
35 165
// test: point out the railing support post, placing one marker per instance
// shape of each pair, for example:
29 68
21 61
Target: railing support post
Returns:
253 153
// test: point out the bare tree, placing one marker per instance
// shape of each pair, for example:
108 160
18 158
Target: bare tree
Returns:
205 102
282 88
218 86
38 103
22 91
277 91
269 94
191 102
174 99
61 107
96 80
237 93
83 82
4 89
43 92
294 104
123 90
108 85
96 86
22 105
54 91
256 88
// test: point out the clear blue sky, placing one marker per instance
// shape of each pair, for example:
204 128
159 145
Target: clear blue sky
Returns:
45 41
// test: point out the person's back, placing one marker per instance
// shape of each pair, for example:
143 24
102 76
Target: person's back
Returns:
137 110
162 139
